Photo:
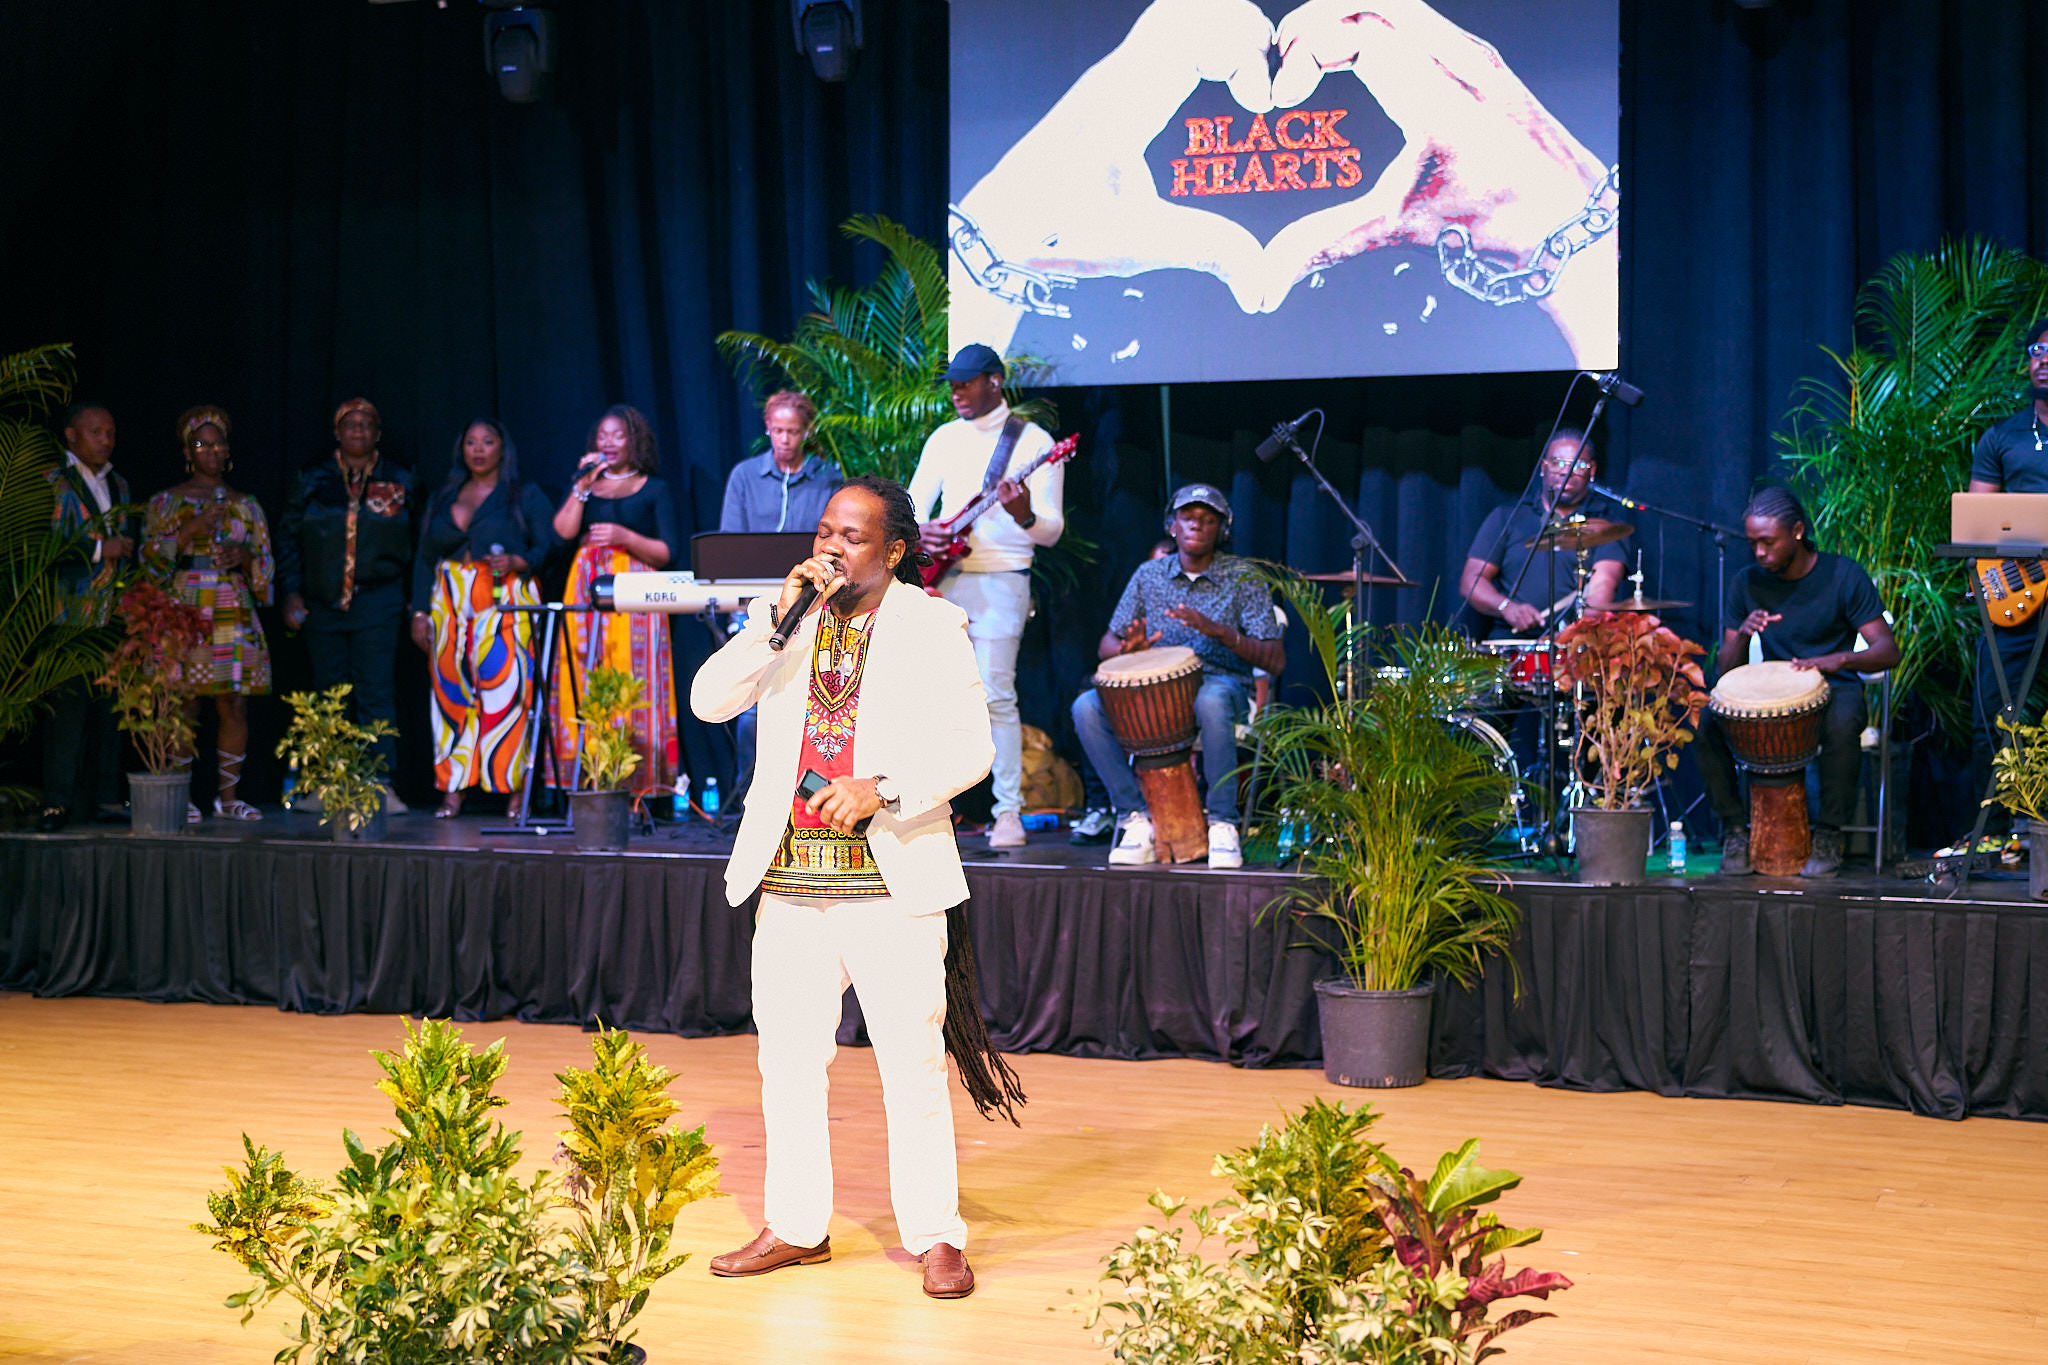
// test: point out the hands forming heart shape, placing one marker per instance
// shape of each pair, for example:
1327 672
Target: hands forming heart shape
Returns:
1076 197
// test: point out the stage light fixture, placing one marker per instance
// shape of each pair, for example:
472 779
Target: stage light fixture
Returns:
519 49
829 33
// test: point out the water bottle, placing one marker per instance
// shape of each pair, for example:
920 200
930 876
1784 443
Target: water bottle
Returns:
1676 849
291 783
497 583
1284 849
709 798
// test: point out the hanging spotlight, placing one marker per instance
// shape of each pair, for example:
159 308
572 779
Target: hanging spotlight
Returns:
519 49
829 33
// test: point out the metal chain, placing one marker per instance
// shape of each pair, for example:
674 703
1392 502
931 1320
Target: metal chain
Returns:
1489 283
1014 284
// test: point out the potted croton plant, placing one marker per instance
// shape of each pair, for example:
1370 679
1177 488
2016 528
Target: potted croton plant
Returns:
602 811
151 678
433 1249
2020 768
1327 1249
1642 691
337 761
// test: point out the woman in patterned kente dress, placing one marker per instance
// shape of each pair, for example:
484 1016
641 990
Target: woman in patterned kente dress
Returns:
483 539
619 514
212 545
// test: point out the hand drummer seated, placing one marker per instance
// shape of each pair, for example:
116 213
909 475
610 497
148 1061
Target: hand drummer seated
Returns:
1216 605
1806 608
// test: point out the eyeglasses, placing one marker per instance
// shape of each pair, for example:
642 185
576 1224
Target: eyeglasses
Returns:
2037 350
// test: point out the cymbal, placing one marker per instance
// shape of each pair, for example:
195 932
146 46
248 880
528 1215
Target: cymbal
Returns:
1579 534
1371 580
1646 604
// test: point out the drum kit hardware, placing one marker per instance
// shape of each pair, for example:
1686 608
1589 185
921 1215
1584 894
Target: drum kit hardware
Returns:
1371 580
1647 604
1580 534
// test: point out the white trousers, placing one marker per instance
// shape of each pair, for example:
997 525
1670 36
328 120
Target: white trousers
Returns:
805 953
997 606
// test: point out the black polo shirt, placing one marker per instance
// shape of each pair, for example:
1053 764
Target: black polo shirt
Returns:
2014 454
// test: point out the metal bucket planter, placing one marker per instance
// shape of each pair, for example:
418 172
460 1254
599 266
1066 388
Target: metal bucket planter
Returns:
157 801
601 820
1613 846
1378 1039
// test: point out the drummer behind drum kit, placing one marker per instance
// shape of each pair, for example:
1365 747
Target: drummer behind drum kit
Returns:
1527 680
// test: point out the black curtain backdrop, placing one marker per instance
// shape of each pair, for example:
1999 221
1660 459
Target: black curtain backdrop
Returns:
274 207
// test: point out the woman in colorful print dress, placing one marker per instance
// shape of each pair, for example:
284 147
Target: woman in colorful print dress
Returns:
483 540
212 545
621 513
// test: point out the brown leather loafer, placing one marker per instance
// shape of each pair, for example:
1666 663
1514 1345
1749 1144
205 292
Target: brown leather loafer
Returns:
768 1252
946 1272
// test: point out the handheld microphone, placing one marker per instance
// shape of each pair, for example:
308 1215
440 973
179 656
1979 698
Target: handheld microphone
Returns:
806 598
1614 386
1612 496
1282 437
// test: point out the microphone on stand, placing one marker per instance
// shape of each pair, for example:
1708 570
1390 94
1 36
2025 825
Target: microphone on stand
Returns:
1282 437
1614 386
806 598
1612 496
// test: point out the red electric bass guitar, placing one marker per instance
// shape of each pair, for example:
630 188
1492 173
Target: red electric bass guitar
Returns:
959 523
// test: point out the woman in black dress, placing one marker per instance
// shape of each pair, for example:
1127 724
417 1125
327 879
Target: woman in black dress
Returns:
618 514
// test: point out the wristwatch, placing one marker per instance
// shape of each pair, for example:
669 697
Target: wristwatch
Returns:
1027 521
892 801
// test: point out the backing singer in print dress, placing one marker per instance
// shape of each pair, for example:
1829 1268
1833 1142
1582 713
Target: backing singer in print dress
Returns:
483 539
620 515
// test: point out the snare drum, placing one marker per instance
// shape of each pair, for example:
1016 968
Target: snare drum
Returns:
1527 665
1771 714
1149 698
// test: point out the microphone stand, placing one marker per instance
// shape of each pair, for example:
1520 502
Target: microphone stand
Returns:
1720 534
1362 539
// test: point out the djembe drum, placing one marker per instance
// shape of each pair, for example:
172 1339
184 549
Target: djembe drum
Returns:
1771 714
1149 699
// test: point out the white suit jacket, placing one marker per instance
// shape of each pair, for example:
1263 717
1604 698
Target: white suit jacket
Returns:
923 724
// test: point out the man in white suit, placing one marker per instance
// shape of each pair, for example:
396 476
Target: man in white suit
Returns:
877 694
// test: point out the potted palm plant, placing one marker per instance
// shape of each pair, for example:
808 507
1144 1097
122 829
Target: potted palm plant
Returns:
431 1249
1333 1251
2020 768
1399 804
602 811
337 761
49 639
150 676
1641 693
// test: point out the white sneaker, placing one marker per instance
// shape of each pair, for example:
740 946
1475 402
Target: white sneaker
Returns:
1094 826
1223 849
1134 842
1007 831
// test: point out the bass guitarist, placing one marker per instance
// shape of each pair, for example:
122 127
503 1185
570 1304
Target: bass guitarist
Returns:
2011 457
992 582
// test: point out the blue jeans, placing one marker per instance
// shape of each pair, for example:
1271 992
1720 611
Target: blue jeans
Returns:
1220 706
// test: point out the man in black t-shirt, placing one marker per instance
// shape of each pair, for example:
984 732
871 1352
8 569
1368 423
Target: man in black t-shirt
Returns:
2012 457
1494 582
1805 608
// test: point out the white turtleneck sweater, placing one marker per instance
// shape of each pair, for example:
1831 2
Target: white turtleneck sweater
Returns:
949 474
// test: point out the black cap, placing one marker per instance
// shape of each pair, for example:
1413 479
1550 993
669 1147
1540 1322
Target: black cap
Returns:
971 362
1205 495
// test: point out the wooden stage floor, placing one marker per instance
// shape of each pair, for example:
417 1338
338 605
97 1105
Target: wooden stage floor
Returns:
1696 1230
